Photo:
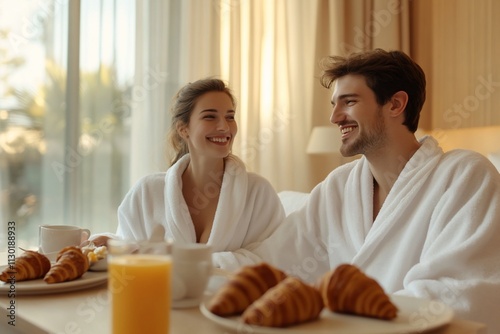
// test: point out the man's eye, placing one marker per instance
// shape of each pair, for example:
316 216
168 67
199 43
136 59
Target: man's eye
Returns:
350 102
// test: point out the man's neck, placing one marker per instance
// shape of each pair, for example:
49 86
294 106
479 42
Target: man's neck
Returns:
387 164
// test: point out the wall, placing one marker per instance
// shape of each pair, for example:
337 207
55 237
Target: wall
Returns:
484 140
455 43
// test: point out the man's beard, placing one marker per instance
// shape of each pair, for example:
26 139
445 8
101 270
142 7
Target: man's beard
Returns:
367 141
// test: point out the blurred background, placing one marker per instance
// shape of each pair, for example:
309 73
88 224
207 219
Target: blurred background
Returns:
85 89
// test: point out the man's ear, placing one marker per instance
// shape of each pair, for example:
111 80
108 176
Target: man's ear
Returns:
398 103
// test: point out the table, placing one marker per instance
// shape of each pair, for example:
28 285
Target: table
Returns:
87 311
84 311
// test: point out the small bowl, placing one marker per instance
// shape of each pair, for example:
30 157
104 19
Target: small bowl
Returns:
101 265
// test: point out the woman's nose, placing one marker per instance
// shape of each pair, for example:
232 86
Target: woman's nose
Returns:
222 125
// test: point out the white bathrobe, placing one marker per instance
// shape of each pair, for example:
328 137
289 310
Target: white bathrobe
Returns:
437 234
248 210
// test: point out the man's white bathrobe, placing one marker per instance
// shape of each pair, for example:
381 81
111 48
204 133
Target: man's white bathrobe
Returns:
248 210
437 234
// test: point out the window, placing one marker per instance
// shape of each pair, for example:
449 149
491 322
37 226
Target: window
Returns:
64 155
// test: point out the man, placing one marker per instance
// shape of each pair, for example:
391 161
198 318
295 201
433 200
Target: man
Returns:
421 222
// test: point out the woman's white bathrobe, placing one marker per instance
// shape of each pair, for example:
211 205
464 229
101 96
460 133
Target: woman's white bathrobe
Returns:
248 210
437 234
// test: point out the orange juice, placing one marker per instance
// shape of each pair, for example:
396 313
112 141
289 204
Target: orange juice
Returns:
140 293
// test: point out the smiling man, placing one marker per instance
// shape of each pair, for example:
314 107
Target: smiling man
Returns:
420 221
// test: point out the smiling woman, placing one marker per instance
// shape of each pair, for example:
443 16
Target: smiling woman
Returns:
206 196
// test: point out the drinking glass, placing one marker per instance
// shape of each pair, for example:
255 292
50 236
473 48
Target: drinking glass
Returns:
139 279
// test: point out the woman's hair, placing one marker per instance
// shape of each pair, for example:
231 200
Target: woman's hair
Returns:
386 73
183 105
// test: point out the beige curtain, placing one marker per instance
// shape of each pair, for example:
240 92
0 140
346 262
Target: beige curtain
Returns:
359 25
269 52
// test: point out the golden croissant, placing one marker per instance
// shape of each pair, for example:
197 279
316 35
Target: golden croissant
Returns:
289 303
70 264
243 288
29 265
349 290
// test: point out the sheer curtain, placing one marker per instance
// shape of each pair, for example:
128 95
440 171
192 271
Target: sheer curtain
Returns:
270 61
263 49
64 87
268 52
177 42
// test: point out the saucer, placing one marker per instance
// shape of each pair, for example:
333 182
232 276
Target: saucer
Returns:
186 303
100 265
218 278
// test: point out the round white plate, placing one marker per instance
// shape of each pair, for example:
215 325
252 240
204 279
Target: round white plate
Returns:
415 316
39 287
185 303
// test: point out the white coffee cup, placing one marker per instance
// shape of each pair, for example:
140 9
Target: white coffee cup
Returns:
53 238
192 268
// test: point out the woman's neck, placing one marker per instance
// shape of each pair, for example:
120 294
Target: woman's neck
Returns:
201 172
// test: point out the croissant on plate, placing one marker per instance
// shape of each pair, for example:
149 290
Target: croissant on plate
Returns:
29 265
243 288
70 264
348 290
289 303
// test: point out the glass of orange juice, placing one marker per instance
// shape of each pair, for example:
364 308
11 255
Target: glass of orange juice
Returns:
139 275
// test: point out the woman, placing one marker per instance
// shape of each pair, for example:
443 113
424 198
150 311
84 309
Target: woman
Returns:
206 196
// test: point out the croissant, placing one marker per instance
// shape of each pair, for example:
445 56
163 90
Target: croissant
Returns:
243 288
289 303
29 265
349 290
70 264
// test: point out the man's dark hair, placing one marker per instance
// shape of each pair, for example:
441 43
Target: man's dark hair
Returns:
386 73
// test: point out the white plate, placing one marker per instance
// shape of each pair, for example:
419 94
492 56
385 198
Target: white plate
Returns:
39 287
185 303
415 316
